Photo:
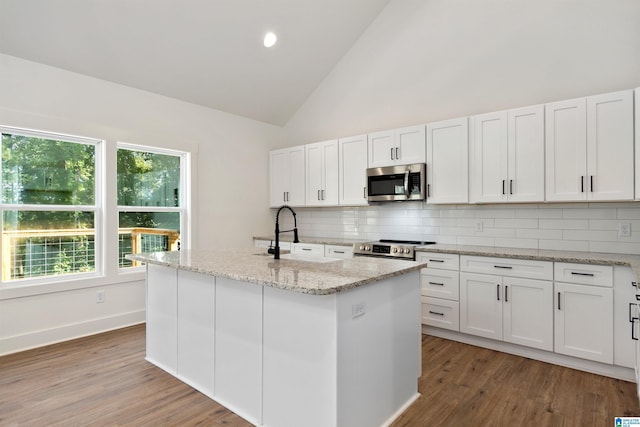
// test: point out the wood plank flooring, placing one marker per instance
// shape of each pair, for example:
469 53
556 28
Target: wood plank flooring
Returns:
104 380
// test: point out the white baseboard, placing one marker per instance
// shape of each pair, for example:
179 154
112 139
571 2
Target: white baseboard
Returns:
44 337
613 371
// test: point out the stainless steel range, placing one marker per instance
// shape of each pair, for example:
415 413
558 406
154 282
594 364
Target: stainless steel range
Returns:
401 249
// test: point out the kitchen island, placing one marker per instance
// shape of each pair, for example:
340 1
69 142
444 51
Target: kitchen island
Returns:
289 342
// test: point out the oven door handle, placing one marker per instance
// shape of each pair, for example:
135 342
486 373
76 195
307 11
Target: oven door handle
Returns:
406 183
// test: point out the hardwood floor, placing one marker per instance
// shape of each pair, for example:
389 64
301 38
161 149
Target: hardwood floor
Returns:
104 380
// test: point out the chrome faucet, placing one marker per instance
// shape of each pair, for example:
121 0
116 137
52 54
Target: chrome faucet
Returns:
276 250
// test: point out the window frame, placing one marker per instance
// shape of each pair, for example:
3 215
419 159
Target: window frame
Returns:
183 196
97 208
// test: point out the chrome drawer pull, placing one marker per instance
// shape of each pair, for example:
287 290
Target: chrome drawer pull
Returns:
436 283
582 274
338 252
435 312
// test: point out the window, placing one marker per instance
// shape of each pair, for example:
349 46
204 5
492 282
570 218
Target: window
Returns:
151 212
49 203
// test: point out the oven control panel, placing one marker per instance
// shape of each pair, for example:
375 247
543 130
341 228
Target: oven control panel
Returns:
384 250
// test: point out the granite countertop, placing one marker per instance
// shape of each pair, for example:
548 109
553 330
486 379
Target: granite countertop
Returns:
602 258
254 265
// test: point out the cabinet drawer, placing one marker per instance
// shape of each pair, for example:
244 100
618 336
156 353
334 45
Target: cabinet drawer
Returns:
438 260
336 251
441 313
311 249
584 274
440 283
510 267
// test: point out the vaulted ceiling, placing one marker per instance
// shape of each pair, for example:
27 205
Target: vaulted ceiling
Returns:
207 52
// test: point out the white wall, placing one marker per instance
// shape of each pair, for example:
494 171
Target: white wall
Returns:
230 189
423 61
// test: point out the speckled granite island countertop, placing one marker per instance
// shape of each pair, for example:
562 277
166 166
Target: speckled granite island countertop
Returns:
254 265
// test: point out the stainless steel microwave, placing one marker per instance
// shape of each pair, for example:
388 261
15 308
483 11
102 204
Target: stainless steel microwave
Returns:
397 183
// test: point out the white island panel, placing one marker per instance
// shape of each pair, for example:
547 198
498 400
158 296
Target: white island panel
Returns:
300 337
238 347
379 352
162 317
195 330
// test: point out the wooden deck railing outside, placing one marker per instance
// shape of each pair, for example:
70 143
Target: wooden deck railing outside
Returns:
68 240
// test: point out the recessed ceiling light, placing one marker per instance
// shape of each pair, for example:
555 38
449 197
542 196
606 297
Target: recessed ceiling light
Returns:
270 39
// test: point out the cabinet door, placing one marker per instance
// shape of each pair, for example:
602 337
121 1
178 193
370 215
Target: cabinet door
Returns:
353 170
488 164
610 146
528 312
330 173
584 321
278 177
314 171
565 150
448 161
526 154
411 145
295 196
481 305
382 149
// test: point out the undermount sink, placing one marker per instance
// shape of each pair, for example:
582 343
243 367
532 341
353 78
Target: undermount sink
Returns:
307 258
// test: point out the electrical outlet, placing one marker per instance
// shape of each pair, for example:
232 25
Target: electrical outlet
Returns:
479 225
99 297
357 310
624 229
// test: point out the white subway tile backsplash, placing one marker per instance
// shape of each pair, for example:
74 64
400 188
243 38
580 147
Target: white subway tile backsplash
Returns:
567 226
564 224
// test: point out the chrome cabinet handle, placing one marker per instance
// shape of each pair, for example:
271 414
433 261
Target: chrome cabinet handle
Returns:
503 182
338 252
364 192
391 153
436 313
510 186
397 155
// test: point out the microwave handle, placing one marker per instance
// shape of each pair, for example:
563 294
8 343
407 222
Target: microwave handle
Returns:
406 183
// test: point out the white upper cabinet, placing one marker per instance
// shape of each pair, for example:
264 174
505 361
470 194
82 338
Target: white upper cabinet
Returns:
287 177
507 156
525 140
352 177
448 161
322 173
590 149
397 147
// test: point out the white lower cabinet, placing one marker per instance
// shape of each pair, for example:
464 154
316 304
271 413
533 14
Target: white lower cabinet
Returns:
162 317
439 285
584 311
512 309
584 321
